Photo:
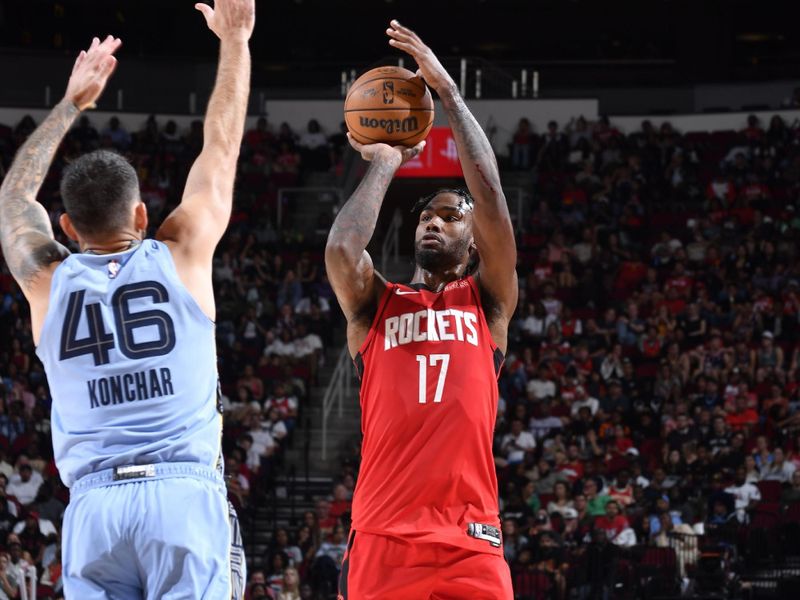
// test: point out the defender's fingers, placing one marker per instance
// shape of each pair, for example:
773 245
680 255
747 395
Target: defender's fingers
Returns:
207 11
79 60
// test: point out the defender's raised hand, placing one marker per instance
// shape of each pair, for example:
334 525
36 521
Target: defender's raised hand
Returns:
230 17
91 72
430 68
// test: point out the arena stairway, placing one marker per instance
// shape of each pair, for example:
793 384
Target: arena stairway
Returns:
290 496
344 432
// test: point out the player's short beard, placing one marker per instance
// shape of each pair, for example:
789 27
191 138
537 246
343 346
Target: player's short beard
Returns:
441 259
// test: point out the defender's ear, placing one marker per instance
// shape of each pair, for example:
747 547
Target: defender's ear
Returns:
66 226
140 217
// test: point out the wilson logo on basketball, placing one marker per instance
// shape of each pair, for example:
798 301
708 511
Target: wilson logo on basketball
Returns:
409 124
388 92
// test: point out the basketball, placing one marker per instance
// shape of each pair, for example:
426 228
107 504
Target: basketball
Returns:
389 105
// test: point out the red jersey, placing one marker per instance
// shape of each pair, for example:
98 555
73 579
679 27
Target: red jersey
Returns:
428 373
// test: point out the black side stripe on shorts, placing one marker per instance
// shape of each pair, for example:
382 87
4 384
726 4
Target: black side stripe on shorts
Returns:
346 568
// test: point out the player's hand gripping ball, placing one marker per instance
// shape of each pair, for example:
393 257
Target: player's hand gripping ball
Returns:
389 105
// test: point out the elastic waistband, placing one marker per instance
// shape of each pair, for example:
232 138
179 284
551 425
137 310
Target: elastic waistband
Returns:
137 473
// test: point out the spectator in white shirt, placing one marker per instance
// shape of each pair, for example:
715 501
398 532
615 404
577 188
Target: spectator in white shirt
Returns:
33 521
336 547
261 445
306 344
583 399
5 467
536 323
304 306
611 367
274 425
746 495
516 444
281 346
542 425
780 469
24 485
541 386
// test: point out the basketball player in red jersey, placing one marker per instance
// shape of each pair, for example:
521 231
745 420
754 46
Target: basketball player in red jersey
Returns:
425 511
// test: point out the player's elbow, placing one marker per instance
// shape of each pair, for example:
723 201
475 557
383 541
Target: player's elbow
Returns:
225 145
337 251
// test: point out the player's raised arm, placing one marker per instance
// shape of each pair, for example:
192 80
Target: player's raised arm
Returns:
352 275
493 230
194 228
25 231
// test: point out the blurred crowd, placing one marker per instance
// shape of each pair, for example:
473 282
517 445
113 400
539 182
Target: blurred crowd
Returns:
649 400
650 393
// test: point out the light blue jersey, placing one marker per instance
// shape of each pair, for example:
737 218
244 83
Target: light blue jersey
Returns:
131 362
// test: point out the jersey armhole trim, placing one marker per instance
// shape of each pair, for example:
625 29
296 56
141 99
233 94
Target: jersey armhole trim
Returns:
499 359
190 300
48 317
476 292
384 300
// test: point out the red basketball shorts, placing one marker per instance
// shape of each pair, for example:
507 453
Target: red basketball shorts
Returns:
378 567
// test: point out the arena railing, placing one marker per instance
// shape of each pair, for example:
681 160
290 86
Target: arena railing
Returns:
391 242
339 387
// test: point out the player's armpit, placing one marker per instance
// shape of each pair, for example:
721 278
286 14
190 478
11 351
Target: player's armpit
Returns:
497 269
357 284
199 222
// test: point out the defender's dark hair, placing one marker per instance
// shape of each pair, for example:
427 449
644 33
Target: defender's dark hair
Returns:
97 189
465 196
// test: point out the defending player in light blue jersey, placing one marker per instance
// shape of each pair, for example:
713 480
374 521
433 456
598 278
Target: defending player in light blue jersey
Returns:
125 331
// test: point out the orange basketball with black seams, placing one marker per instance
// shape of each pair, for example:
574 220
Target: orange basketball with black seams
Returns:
389 105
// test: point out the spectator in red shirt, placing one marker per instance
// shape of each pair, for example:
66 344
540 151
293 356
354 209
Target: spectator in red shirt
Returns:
680 281
743 417
613 522
621 442
621 491
572 469
650 344
341 504
753 132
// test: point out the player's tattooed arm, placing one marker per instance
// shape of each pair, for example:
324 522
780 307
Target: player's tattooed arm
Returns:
25 230
492 227
349 266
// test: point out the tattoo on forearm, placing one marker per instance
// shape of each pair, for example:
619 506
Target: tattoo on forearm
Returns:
355 223
472 141
25 231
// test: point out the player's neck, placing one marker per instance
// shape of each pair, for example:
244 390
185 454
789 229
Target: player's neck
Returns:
119 242
435 281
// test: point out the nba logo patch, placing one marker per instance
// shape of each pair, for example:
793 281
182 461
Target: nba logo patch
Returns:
113 268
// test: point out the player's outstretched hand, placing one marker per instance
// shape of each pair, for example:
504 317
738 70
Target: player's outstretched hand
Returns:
397 154
430 68
91 72
230 18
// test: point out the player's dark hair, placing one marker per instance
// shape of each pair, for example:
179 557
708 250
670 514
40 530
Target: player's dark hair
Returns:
97 189
465 196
